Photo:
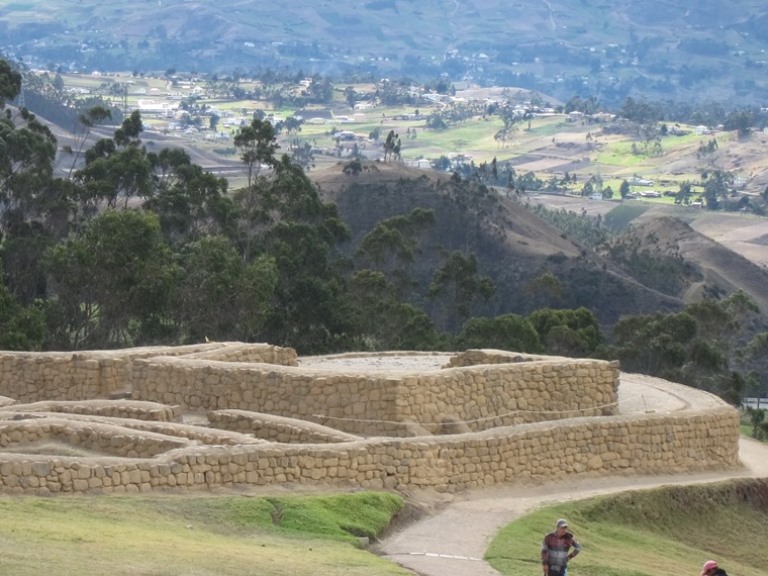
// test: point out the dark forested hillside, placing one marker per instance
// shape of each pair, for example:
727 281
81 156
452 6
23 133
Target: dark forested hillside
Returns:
682 51
532 263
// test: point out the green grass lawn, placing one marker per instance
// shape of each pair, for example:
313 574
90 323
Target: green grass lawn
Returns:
620 154
661 532
198 535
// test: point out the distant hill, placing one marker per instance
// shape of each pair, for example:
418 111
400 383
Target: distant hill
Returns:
513 246
676 265
691 50
714 270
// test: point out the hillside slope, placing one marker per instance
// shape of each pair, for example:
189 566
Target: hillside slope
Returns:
688 50
513 246
722 271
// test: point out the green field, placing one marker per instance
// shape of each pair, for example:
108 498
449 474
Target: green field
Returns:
547 145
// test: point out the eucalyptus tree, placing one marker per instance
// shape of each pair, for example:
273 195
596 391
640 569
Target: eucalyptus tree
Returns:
21 327
27 193
190 202
698 346
309 310
507 332
29 197
217 295
115 168
381 321
573 333
392 146
86 123
10 82
257 144
391 246
111 282
26 166
281 215
458 285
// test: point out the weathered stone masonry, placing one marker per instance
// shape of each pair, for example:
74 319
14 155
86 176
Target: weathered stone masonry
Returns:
532 419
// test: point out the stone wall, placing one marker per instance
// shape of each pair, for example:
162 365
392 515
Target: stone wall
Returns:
486 356
253 353
101 438
513 419
482 397
36 376
582 447
276 428
109 408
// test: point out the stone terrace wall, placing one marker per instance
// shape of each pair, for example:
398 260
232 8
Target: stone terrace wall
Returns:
490 356
685 441
276 428
482 396
252 353
109 408
35 376
101 438
510 407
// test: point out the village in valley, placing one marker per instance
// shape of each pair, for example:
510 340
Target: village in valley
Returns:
460 128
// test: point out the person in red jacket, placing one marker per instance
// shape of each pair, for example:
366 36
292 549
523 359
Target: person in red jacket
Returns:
711 568
556 550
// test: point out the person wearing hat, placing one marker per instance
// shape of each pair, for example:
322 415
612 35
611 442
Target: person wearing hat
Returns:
558 547
711 568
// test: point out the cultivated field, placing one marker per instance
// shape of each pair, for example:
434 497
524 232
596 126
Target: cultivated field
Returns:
547 144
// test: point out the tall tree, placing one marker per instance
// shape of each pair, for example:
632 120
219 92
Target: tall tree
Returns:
110 279
115 168
190 202
283 216
32 203
86 122
392 146
567 332
218 296
458 284
21 328
380 321
392 244
308 311
257 143
10 83
507 332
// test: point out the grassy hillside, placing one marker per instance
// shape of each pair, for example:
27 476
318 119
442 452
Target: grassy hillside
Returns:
661 532
201 535
547 145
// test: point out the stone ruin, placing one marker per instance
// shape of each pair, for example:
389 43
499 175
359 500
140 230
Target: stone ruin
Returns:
236 415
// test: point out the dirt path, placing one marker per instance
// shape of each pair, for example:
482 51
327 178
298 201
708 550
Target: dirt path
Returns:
452 541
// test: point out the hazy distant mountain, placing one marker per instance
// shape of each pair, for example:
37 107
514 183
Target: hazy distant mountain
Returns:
681 50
